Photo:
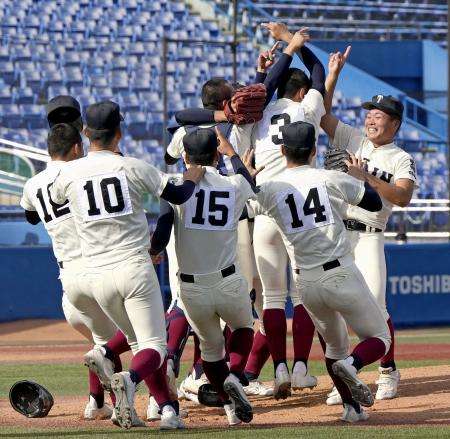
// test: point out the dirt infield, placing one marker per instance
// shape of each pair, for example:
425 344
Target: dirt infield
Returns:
29 341
424 391
423 400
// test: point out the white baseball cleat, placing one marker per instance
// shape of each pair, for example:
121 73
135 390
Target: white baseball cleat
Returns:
92 412
334 398
124 390
169 419
351 414
301 379
257 388
189 387
153 410
282 382
96 361
242 408
172 380
360 391
136 422
231 415
387 383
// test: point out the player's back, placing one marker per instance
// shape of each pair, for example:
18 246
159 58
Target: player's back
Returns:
57 219
105 191
267 136
308 205
206 225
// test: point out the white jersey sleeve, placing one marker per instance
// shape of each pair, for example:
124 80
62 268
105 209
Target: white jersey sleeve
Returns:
350 189
175 148
241 137
145 176
58 190
347 137
314 109
405 168
26 201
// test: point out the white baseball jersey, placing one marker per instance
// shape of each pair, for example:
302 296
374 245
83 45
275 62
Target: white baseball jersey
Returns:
239 138
308 206
105 192
388 162
57 219
206 225
266 135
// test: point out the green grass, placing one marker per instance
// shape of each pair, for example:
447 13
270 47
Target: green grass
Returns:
341 432
71 379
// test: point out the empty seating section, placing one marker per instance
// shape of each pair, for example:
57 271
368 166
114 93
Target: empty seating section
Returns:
105 49
357 19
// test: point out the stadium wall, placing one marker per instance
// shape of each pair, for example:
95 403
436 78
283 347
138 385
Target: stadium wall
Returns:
418 284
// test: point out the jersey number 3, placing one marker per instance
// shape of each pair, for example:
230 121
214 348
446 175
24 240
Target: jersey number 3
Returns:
210 210
305 210
105 196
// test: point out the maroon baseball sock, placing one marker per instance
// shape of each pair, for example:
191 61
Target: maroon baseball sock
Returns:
275 327
322 343
217 372
342 388
157 385
258 356
118 344
197 366
388 359
177 335
143 364
367 352
227 337
96 389
303 334
240 345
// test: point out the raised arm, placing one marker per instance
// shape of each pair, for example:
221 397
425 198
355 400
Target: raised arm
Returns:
335 64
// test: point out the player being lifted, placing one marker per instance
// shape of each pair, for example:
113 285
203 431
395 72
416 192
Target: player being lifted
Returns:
211 284
392 173
105 193
308 205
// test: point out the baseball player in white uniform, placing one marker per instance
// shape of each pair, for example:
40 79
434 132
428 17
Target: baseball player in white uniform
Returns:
299 99
392 173
308 206
211 285
105 192
65 144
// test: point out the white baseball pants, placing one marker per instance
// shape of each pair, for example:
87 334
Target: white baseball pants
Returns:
337 297
211 298
87 318
272 263
368 250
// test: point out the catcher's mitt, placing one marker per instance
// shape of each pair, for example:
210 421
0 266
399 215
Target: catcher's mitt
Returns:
248 103
30 399
208 396
335 159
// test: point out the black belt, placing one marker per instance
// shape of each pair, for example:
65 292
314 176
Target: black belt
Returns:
327 266
61 264
359 227
189 278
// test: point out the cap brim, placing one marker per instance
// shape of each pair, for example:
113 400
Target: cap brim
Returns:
372 106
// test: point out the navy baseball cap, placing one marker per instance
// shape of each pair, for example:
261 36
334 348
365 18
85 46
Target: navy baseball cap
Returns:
387 104
201 141
63 109
298 135
103 116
